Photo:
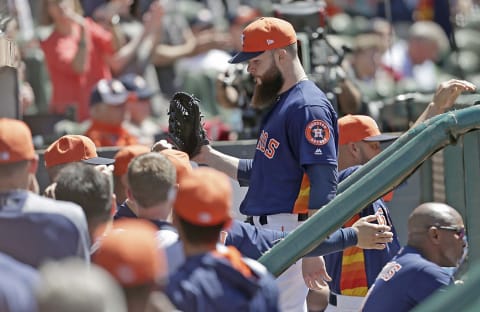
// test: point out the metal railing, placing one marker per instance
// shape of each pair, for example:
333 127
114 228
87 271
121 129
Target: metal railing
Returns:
377 177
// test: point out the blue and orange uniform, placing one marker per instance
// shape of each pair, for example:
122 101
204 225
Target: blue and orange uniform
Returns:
299 132
354 270
297 144
222 281
404 282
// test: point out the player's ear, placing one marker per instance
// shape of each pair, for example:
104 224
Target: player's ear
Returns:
279 55
433 235
353 149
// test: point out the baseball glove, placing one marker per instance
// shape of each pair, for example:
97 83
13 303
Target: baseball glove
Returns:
185 129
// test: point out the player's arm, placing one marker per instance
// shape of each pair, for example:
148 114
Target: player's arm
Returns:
220 161
363 234
323 185
444 98
254 241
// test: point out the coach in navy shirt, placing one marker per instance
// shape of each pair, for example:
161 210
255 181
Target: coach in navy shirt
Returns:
435 240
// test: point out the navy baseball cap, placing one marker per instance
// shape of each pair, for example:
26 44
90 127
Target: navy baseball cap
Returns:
138 85
109 91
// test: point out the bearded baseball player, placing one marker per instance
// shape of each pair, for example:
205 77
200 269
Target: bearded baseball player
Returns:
297 143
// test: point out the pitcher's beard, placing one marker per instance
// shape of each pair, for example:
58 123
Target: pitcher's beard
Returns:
266 92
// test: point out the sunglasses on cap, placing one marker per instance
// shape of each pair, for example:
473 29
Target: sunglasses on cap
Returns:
460 231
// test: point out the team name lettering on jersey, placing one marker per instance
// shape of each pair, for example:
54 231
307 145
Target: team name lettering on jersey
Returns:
389 270
317 132
267 146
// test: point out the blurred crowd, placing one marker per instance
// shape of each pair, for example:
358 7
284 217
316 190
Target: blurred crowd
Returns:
366 53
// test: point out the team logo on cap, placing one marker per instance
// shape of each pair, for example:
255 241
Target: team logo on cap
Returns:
317 132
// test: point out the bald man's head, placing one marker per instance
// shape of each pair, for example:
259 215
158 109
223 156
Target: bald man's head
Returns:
437 231
429 214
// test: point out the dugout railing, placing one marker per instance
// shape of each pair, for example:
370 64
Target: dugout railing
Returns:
454 130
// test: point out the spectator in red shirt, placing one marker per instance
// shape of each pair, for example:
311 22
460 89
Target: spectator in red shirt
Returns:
78 53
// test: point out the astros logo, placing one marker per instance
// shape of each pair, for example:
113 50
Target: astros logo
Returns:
317 132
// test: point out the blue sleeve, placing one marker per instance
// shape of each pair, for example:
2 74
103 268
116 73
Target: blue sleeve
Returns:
251 241
244 170
313 131
338 241
323 184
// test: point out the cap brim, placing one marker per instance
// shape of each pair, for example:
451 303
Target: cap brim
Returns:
99 161
381 138
243 57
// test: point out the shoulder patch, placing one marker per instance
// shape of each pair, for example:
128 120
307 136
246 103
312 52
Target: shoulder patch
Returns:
317 132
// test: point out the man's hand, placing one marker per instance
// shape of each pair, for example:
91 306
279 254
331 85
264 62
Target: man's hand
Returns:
371 235
153 18
448 92
50 190
161 145
444 98
203 155
314 273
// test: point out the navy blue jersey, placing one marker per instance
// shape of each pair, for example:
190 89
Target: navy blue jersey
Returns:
34 229
124 211
213 282
354 270
17 286
300 130
404 282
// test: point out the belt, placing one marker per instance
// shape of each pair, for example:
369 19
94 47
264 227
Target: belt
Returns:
332 299
264 218
344 302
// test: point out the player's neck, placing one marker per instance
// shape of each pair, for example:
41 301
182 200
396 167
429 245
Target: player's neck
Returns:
197 249
292 77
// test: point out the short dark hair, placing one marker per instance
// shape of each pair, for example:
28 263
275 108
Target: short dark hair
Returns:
150 177
196 234
86 186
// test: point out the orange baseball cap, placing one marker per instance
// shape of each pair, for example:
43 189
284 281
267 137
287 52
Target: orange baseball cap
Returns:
125 155
130 253
15 141
73 148
355 128
180 160
265 33
204 197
